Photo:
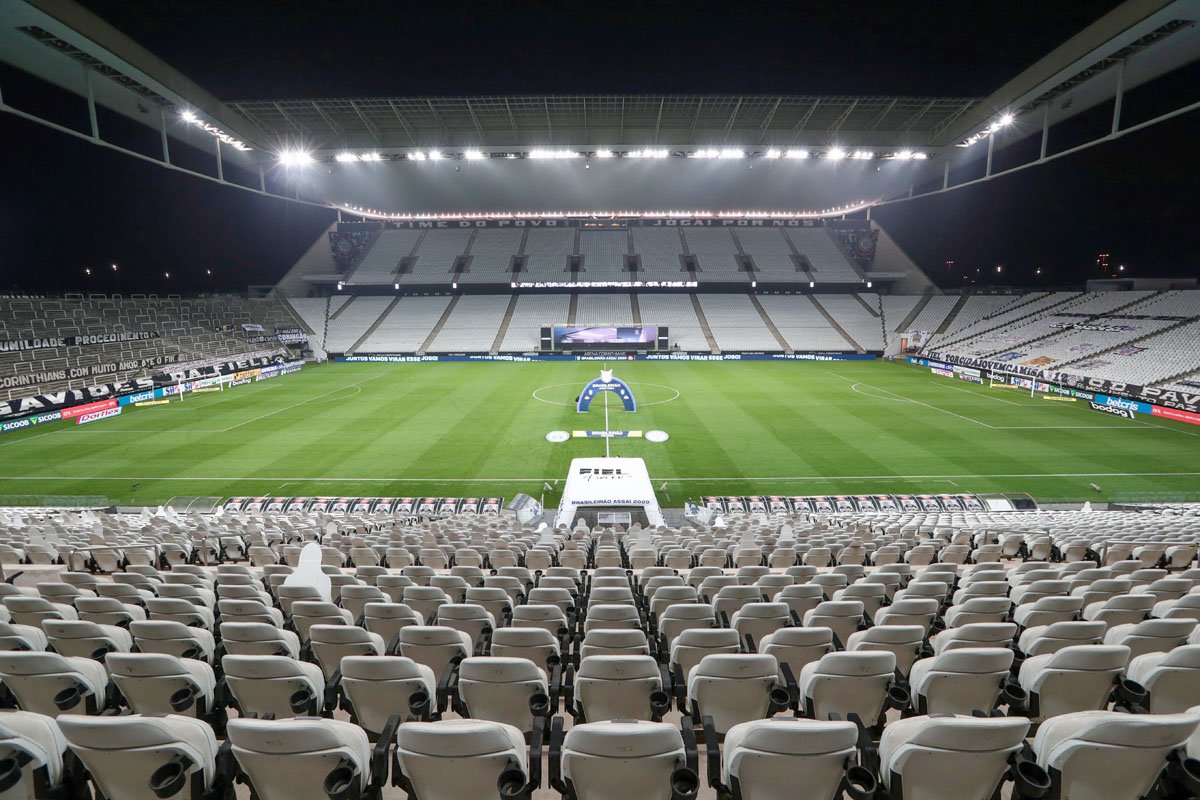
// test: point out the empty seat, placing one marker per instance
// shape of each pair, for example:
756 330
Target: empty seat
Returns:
735 688
797 646
153 683
306 759
763 759
1171 678
1151 635
1104 754
434 646
954 757
977 634
536 644
275 685
845 683
380 687
618 687
332 643
259 639
626 759
456 759
691 646
509 690
40 764
76 638
50 684
1077 678
903 641
960 681
140 756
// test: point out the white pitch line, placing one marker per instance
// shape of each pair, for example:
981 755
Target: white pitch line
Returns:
302 402
742 478
980 394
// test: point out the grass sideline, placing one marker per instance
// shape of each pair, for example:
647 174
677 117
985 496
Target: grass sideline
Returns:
472 429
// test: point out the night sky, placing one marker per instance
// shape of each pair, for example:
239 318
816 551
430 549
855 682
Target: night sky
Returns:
66 205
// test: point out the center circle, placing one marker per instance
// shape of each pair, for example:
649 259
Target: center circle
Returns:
675 395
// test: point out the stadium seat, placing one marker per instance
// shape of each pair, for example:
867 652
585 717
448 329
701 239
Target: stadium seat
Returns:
960 681
733 688
1075 678
657 761
275 685
379 687
152 683
859 683
39 764
1116 756
308 759
1171 678
455 759
164 756
50 684
617 687
957 756
762 758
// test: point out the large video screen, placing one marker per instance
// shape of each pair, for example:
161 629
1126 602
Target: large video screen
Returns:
633 337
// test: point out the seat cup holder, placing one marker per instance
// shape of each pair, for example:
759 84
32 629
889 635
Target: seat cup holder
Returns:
10 773
1030 780
511 783
182 699
341 782
539 704
898 697
1186 773
860 783
301 700
685 783
168 779
68 698
418 704
1014 697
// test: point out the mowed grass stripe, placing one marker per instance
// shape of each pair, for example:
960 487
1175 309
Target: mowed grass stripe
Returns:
802 421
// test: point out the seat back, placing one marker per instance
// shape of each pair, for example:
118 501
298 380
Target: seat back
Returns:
732 688
648 754
500 689
290 759
122 753
456 759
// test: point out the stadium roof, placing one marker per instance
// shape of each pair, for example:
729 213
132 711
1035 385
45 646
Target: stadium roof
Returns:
66 45
643 120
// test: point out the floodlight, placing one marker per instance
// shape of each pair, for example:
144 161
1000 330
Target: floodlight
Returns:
648 153
345 158
295 158
188 116
604 154
473 155
904 155
370 157
417 156
540 153
868 284
1006 119
836 154
704 153
395 286
797 154
863 155
435 155
920 156
730 152
772 154
812 284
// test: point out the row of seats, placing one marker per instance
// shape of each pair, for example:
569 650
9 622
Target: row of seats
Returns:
1085 755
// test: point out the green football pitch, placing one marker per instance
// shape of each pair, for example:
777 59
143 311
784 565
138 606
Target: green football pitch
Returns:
471 429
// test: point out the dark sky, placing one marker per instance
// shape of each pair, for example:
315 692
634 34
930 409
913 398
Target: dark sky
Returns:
66 205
